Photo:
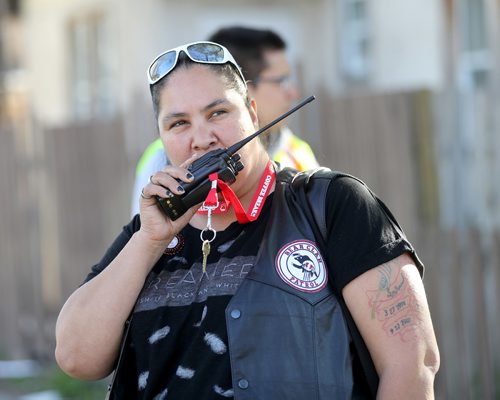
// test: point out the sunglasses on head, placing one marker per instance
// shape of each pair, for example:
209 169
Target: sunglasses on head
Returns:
199 52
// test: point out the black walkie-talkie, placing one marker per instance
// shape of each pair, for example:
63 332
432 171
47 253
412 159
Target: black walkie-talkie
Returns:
225 162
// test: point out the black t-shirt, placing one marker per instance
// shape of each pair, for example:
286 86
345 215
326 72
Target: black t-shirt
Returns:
177 346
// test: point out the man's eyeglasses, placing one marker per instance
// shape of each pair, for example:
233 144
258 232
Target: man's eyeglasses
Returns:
199 52
284 81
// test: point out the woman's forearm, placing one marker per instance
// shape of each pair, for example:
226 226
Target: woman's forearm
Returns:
90 325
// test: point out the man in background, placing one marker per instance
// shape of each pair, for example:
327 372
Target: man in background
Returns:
261 55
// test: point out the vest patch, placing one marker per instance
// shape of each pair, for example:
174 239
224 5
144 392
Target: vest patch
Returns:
301 266
175 245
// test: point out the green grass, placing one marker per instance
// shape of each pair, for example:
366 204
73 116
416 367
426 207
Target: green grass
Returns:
54 379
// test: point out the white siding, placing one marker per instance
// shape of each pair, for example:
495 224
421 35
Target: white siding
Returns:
408 40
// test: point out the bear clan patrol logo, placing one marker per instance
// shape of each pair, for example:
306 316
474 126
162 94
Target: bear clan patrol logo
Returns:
301 266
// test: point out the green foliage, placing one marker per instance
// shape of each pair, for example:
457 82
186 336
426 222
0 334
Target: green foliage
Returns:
71 388
54 379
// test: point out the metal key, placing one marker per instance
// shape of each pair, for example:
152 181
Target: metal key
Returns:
205 249
205 246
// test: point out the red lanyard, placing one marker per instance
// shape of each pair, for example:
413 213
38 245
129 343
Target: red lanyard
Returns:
230 198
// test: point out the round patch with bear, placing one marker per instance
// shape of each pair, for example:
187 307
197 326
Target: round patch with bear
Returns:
301 266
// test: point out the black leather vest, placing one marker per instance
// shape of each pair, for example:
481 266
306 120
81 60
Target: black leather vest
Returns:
288 338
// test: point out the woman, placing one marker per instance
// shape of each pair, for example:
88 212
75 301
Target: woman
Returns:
258 313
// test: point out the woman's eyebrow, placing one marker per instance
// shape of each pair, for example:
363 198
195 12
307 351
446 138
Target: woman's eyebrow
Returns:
175 115
215 103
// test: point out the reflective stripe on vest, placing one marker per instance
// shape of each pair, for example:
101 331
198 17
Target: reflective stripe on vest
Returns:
297 154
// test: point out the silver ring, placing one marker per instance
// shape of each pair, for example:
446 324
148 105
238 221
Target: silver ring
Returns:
144 196
151 179
210 230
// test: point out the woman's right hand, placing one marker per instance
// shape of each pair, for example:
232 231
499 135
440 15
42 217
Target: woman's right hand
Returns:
155 224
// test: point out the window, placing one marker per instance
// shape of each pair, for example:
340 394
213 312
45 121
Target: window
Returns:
474 52
13 7
354 40
90 71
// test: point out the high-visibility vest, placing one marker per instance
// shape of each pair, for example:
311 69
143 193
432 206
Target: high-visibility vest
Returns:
151 151
152 160
293 152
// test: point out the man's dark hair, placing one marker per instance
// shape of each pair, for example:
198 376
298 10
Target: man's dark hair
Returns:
247 45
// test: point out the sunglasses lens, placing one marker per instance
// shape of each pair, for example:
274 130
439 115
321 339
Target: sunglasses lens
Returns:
202 52
206 52
162 66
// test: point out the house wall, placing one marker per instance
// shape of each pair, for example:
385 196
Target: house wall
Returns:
47 53
408 39
406 47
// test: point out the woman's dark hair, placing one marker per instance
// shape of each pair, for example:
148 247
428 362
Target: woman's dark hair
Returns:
227 71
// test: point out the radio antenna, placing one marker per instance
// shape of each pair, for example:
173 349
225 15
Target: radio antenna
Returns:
235 147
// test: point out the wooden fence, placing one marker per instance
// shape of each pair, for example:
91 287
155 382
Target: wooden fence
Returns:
66 193
389 142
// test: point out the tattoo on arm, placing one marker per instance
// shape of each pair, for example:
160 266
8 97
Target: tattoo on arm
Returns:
394 304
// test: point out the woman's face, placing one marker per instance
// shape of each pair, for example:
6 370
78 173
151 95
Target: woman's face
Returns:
199 113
